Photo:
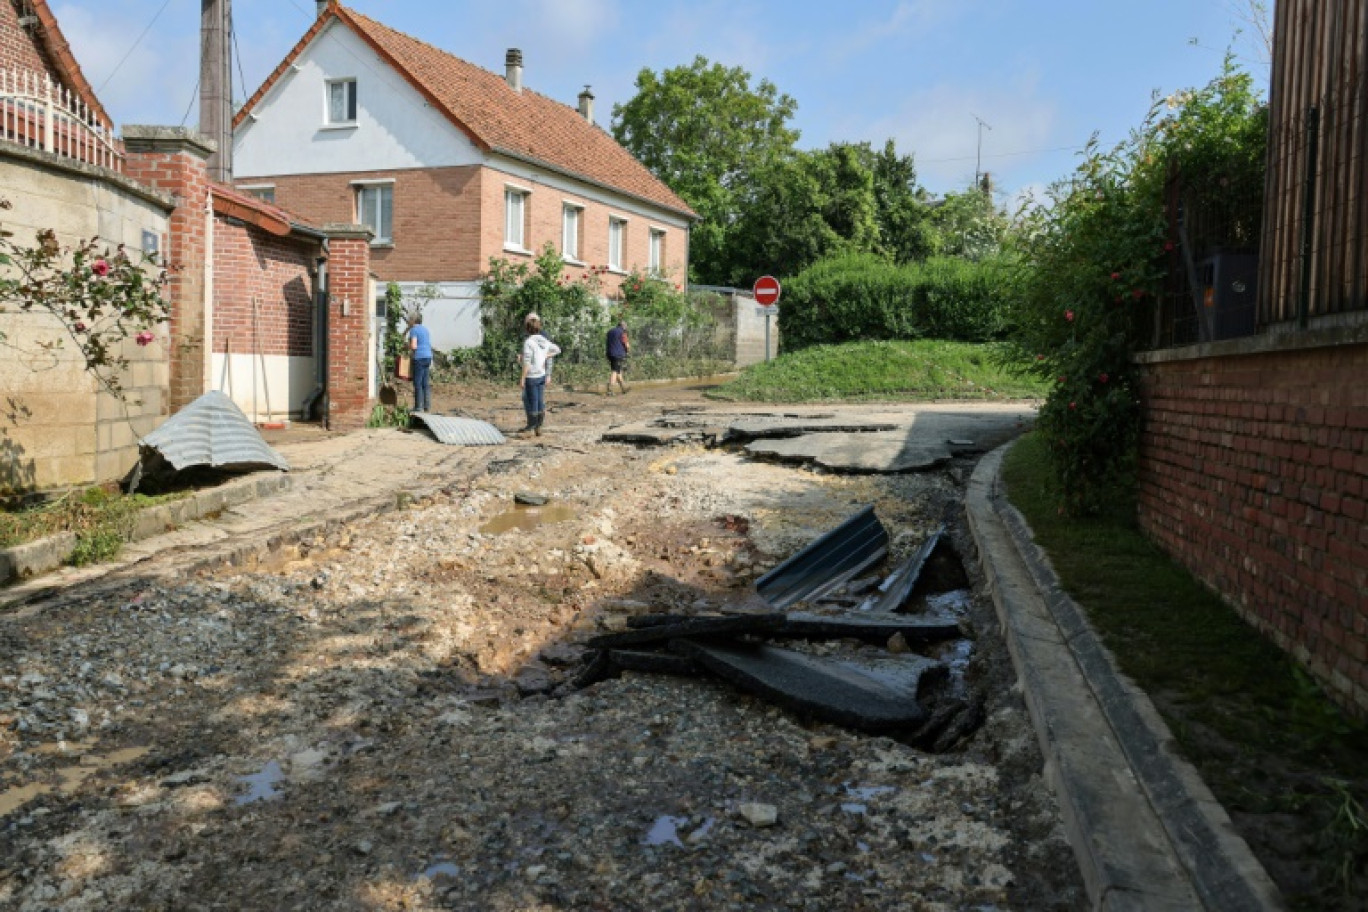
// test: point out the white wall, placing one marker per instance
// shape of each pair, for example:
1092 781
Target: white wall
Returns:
453 317
266 388
396 127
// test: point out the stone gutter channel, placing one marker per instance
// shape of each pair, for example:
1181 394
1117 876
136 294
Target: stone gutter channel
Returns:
1147 831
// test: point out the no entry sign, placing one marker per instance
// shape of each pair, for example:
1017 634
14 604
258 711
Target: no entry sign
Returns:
767 291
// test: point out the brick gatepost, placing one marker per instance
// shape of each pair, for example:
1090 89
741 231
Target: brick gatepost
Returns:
172 160
350 319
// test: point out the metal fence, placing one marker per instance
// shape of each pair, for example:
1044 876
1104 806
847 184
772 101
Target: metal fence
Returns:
41 114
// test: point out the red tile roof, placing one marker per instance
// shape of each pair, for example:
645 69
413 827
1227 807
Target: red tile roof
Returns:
68 70
523 125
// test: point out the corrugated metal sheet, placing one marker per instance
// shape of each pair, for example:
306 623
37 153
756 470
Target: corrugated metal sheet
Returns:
460 431
212 431
854 545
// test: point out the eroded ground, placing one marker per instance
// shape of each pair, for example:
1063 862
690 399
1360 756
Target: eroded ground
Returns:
377 718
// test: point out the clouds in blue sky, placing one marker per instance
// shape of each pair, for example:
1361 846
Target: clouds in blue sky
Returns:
1044 75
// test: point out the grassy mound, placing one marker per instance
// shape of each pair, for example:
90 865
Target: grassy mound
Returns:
921 369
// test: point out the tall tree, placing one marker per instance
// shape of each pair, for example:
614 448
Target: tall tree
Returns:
707 133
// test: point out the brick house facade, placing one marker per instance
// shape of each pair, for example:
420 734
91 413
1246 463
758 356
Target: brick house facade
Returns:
450 164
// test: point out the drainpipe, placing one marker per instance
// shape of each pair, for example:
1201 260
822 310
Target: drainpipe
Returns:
320 390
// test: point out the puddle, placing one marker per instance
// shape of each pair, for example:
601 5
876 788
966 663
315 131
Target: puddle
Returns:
69 777
664 831
954 603
527 519
441 869
850 808
262 785
956 655
867 792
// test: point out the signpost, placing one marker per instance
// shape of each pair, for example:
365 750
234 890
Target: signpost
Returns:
766 291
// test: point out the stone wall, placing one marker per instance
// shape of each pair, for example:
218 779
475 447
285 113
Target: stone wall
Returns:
1254 475
57 429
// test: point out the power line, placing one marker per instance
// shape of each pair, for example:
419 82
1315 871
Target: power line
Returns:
959 158
136 42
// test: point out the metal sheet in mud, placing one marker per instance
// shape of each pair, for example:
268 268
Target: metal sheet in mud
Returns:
460 431
844 552
894 590
212 431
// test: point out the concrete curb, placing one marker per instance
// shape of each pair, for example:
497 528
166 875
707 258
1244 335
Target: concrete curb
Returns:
1147 831
37 557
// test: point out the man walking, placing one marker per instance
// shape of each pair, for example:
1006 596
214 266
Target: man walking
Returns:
420 343
619 347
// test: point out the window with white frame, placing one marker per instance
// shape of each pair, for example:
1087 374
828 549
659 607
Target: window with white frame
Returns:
515 216
341 102
617 243
656 259
572 217
263 192
375 210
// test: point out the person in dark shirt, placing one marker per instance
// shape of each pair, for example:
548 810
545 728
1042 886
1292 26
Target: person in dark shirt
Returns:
619 347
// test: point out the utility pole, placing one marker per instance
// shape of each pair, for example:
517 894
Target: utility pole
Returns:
978 156
216 84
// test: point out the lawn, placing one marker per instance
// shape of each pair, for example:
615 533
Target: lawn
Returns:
922 369
1291 769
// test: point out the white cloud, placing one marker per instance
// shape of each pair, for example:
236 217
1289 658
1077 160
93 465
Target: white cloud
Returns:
907 17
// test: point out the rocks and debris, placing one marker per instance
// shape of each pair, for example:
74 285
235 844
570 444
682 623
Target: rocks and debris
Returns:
529 499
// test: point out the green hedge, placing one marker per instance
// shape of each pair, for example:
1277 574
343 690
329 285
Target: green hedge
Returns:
858 297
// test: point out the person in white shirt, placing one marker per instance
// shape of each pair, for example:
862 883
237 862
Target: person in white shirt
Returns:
537 350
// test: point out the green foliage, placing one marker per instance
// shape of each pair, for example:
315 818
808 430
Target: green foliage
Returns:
706 132
569 306
394 335
646 296
1096 259
388 416
968 225
924 369
864 296
99 295
102 521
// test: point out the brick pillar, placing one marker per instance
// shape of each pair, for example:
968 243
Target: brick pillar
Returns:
349 326
172 160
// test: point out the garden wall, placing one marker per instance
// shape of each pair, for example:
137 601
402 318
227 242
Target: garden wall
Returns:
57 429
1254 475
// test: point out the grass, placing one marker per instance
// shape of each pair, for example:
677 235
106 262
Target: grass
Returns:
1290 767
100 519
921 369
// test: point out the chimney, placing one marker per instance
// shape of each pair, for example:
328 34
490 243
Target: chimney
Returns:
513 62
586 104
322 7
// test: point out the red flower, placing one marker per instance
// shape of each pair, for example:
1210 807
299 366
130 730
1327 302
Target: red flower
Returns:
1116 276
1073 405
1040 357
1102 377
100 268
1069 315
1168 246
1061 379
143 338
1138 293
79 327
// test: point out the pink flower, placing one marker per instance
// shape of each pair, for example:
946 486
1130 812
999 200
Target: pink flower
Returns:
1069 315
79 327
143 338
100 268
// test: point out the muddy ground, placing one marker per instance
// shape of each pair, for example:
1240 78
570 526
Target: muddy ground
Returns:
379 718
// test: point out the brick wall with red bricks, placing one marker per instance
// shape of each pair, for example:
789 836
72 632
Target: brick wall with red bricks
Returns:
18 45
1254 474
172 160
448 222
349 320
263 292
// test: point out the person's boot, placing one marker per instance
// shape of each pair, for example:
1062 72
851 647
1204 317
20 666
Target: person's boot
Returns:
608 390
622 386
537 423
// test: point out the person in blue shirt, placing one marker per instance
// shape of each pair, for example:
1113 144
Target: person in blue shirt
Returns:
420 343
619 346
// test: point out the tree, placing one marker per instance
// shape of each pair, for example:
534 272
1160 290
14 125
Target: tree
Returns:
704 131
905 232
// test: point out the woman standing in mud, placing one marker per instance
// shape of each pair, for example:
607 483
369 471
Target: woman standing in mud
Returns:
536 351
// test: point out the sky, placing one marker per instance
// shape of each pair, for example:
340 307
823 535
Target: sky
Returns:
1014 87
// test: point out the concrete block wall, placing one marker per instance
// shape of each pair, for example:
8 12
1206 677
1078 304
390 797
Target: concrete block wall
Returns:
1254 475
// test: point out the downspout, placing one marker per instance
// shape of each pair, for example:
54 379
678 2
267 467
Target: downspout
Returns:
320 391
207 381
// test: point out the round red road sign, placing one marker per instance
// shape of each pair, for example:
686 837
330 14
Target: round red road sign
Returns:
767 291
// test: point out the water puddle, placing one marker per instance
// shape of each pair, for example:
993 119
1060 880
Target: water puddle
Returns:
261 786
69 778
527 519
665 831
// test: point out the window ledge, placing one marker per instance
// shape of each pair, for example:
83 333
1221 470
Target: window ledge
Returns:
382 245
570 261
345 126
618 271
523 251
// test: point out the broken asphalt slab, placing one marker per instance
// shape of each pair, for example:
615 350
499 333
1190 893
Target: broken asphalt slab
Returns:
871 629
729 625
871 695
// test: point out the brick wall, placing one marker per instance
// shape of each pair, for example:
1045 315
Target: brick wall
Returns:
349 322
263 292
17 45
1254 474
172 160
448 222
436 218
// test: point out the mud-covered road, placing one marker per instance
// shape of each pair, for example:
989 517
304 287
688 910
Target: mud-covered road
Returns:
377 717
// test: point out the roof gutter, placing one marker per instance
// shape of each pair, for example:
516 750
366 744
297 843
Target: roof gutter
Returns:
540 163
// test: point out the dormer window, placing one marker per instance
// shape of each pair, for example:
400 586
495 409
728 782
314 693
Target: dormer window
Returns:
341 102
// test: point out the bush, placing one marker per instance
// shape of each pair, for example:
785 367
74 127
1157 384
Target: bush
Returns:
1097 257
862 296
